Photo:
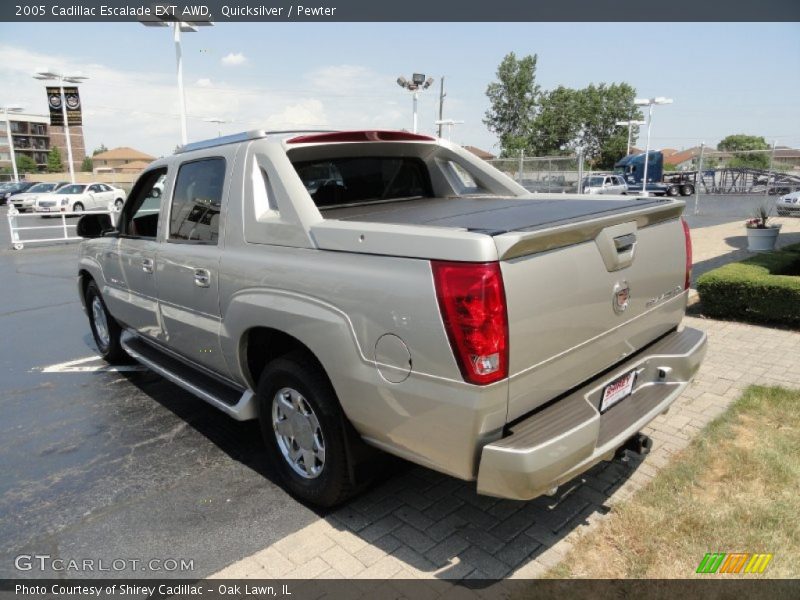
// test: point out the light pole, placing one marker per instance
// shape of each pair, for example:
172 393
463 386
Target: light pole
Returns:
649 102
417 84
11 108
218 122
450 123
177 27
629 124
49 75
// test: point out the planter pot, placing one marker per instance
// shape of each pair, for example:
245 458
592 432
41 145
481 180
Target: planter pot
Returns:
759 240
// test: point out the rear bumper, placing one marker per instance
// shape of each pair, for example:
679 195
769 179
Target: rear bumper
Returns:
562 440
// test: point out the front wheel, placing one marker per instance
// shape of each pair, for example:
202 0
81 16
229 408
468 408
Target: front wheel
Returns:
105 329
305 430
78 207
118 203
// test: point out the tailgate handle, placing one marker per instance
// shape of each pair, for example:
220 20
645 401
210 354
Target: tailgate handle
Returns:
624 243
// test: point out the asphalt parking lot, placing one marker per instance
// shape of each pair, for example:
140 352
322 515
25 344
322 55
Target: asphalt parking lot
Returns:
101 463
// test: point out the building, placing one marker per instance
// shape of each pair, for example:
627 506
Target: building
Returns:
34 137
480 153
121 160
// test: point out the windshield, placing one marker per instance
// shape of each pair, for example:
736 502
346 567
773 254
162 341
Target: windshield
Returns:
43 187
73 189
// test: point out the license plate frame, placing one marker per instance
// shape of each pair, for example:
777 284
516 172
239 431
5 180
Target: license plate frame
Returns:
617 390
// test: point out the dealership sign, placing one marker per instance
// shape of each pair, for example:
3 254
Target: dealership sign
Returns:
73 103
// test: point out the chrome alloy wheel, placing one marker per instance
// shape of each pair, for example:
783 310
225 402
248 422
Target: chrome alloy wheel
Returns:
100 322
298 433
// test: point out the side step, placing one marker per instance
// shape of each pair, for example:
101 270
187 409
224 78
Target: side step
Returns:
236 403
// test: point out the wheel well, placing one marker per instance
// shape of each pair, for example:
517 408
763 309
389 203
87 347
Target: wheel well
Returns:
85 278
262 345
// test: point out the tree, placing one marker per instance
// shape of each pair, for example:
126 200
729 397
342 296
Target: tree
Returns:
87 165
513 98
739 144
603 141
25 164
54 164
557 125
97 151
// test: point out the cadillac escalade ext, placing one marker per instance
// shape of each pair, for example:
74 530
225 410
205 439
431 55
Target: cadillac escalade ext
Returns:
385 290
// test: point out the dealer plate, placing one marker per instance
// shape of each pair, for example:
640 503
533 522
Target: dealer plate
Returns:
617 390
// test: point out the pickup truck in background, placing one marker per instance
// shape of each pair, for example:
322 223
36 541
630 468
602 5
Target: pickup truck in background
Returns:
385 290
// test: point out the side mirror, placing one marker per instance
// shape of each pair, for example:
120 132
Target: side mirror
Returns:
94 225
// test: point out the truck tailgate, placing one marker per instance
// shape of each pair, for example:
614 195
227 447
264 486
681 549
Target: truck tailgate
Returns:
565 289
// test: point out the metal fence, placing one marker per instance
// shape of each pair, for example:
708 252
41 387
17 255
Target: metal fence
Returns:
64 230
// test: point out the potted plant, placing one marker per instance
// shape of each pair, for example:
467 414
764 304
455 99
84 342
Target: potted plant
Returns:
760 234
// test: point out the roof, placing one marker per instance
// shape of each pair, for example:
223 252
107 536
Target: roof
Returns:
480 153
682 156
123 153
135 164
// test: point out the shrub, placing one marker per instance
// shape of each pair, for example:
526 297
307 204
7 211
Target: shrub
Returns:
761 289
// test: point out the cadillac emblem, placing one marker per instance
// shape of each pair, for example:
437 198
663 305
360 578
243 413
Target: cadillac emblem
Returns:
620 297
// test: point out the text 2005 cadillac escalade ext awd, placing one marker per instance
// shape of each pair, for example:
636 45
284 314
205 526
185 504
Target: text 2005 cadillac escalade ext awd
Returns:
378 289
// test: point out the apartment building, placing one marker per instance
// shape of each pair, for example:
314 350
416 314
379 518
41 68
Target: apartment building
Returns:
33 136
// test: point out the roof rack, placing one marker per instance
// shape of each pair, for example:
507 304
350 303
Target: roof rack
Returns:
242 137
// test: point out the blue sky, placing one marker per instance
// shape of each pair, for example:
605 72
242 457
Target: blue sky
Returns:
724 78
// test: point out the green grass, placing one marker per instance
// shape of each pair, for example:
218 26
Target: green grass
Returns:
736 488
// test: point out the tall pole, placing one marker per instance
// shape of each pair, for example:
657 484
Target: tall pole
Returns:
698 182
66 129
415 96
630 127
11 146
647 150
441 105
769 173
176 27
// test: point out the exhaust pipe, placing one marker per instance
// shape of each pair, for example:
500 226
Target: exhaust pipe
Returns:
639 444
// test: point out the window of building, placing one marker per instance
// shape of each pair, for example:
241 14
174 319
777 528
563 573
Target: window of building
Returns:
196 202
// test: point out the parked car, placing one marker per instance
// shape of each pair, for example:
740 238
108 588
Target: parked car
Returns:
15 188
25 200
423 304
78 197
604 184
788 204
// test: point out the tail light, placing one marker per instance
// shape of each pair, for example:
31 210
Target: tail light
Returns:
688 243
473 306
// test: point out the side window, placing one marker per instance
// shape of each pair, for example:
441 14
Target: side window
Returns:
194 214
140 214
104 188
94 188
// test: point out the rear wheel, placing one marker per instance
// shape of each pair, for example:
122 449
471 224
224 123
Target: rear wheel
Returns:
687 189
105 330
673 190
305 430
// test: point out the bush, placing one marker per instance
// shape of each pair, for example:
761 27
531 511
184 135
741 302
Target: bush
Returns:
761 289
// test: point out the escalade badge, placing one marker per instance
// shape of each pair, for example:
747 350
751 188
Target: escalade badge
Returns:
622 293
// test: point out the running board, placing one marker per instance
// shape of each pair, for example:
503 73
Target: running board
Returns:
235 403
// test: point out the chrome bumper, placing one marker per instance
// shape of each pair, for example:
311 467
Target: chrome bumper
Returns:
565 439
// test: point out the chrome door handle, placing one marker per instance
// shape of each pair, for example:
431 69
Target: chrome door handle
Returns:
202 277
147 265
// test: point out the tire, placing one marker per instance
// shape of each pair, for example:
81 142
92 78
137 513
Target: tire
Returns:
77 207
294 391
687 190
118 203
105 330
673 191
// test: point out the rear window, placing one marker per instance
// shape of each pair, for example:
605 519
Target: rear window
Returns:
350 180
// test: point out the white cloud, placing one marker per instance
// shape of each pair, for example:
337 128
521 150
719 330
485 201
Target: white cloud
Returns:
234 59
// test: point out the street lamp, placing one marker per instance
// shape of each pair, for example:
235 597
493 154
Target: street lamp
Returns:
417 84
50 75
11 108
629 125
177 28
649 102
217 121
450 123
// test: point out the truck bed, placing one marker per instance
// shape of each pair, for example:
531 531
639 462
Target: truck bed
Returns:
490 215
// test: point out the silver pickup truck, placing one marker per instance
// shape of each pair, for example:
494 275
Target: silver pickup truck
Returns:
379 289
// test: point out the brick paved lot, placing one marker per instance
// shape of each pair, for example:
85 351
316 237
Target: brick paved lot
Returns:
427 525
